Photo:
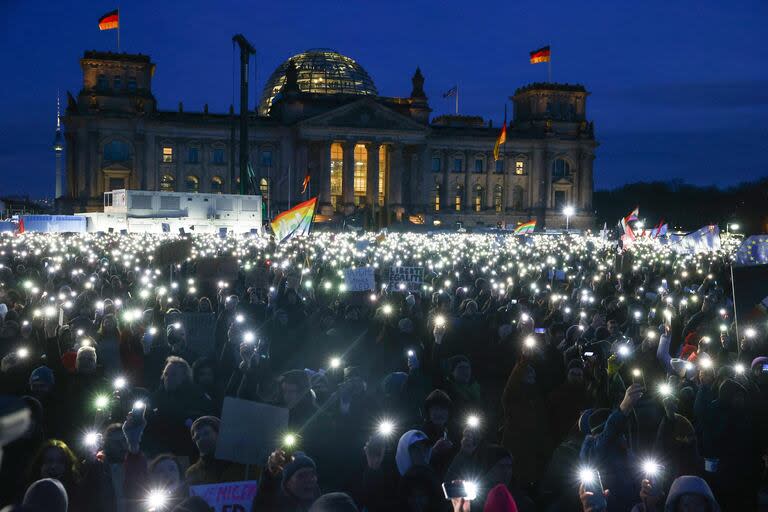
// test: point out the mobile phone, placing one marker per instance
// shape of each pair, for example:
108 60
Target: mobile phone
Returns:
589 354
593 483
540 330
459 489
765 368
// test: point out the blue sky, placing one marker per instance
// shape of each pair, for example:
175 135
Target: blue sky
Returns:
678 89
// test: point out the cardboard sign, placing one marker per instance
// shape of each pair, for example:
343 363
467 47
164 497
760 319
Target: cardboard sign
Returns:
173 252
359 279
200 329
250 431
229 496
411 277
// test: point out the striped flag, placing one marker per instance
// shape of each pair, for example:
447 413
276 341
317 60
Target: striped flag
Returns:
540 55
502 136
526 227
110 21
451 92
294 222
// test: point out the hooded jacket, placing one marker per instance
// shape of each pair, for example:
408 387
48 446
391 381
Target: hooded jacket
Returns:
690 485
403 456
500 500
46 495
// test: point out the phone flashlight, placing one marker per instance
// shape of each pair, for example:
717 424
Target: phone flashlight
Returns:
119 383
439 321
335 362
473 421
529 342
385 428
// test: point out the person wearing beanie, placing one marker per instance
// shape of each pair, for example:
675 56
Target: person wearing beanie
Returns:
46 495
463 390
334 502
500 500
676 439
289 483
691 493
208 469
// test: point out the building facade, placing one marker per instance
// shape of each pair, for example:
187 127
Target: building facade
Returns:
321 117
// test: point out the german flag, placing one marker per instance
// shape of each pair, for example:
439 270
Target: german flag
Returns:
540 55
110 20
502 137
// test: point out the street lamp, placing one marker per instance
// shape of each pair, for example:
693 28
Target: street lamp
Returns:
732 227
568 211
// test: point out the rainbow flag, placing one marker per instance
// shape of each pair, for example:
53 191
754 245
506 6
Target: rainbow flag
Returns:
526 227
294 222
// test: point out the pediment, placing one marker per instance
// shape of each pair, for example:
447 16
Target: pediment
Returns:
363 114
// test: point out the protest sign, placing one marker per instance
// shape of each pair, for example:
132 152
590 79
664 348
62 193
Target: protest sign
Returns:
411 277
359 279
173 252
227 497
249 430
750 286
200 329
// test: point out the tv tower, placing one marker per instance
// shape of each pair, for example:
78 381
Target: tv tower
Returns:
58 148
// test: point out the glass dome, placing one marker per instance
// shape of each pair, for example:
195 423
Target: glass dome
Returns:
320 70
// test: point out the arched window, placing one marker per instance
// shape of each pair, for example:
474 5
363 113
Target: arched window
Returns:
116 151
560 169
264 188
459 196
361 173
437 198
217 185
478 202
167 183
337 172
498 198
517 197
192 183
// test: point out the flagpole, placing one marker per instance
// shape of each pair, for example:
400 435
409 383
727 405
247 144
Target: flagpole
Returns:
457 99
735 317
549 65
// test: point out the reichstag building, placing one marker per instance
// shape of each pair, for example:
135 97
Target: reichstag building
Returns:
320 115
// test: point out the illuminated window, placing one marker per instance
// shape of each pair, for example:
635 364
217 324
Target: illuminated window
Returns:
193 155
458 164
560 168
361 173
217 185
218 156
167 183
383 169
478 198
436 164
458 198
519 167
264 187
478 165
498 198
500 166
192 183
337 172
437 198
167 154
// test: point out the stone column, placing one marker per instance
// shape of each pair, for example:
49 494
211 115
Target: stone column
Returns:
348 178
467 202
490 169
324 185
587 185
372 176
94 178
395 182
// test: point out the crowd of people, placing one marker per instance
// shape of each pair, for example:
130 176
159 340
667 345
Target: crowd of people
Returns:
541 373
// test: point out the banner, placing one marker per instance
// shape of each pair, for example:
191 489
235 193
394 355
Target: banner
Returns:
359 279
227 497
249 431
411 277
705 239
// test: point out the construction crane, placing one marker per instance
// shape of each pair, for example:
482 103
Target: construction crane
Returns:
248 183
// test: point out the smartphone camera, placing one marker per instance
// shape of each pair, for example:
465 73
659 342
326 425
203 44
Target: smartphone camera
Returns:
460 489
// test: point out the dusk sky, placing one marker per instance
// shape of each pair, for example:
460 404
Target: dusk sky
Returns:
679 90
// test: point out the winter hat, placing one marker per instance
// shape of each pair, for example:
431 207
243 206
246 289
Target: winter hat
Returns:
438 398
690 485
410 300
46 495
42 374
584 421
3 310
597 420
575 363
682 430
455 361
500 500
333 502
394 382
300 461
728 390
405 325
211 421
